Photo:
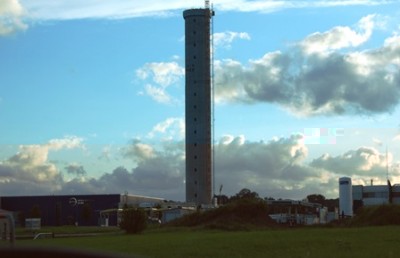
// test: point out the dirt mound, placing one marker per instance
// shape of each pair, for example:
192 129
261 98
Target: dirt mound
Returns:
239 215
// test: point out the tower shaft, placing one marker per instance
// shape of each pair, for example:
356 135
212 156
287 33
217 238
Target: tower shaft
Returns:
198 106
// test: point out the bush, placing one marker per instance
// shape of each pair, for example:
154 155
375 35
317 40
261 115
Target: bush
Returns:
241 214
388 214
133 221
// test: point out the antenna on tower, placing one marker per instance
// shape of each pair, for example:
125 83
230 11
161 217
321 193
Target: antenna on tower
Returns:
212 94
387 164
207 4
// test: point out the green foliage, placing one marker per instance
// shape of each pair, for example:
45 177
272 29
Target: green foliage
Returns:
133 221
377 216
316 198
244 194
241 214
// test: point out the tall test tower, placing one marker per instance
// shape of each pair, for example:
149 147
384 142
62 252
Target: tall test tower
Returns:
198 105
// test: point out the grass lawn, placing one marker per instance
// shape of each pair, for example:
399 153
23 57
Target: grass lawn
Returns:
300 242
68 230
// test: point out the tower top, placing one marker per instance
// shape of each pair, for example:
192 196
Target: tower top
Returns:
207 4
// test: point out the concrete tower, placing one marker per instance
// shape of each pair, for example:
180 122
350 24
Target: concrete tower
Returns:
198 105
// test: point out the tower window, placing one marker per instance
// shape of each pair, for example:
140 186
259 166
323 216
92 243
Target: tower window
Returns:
195 156
194 106
195 182
195 144
195 131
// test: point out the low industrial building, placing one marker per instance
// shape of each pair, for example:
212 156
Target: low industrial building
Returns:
353 197
87 210
299 212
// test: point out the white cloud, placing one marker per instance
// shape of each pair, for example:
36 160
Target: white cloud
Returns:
306 84
377 142
158 94
225 39
31 167
158 77
121 9
163 74
171 128
11 17
339 37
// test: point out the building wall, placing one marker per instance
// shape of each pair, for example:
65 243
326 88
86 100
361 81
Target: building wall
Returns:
62 209
375 195
198 106
396 194
140 201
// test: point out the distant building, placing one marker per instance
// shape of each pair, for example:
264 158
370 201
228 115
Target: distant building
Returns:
357 196
88 210
299 212
377 194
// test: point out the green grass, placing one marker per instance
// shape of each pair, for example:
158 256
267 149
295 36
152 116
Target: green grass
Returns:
301 242
68 230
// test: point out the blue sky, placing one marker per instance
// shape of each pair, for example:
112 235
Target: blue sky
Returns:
92 96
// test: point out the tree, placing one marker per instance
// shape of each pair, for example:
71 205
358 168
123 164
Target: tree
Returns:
316 198
133 220
245 194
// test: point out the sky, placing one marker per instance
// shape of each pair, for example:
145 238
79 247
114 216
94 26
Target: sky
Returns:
92 96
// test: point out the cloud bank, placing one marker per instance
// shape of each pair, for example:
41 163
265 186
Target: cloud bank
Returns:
275 168
324 74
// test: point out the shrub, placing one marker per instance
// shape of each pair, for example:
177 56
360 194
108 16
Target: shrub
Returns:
133 221
237 215
377 216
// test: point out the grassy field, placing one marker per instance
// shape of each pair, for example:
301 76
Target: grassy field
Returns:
300 242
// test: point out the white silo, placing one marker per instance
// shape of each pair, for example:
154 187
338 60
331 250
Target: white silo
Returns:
345 197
